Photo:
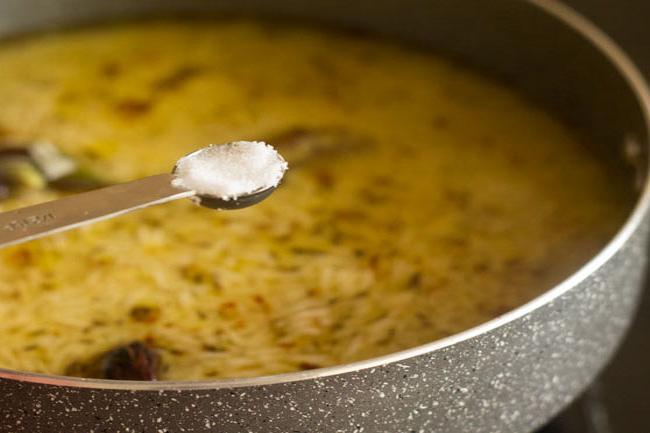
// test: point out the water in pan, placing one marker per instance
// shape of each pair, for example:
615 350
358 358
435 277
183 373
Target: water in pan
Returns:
422 199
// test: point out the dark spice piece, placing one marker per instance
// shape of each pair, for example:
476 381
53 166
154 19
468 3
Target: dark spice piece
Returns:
350 215
307 251
308 366
302 145
261 302
135 361
440 122
371 196
21 257
481 267
145 314
198 275
459 198
324 179
80 180
111 70
415 280
133 107
212 348
177 78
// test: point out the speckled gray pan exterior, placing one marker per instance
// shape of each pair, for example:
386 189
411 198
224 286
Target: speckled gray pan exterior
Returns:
508 375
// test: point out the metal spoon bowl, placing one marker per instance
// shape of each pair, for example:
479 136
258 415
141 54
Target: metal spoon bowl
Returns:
240 202
220 203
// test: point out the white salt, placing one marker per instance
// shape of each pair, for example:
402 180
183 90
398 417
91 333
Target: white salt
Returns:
231 170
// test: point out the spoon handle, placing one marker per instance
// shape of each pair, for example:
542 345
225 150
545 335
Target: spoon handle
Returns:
43 219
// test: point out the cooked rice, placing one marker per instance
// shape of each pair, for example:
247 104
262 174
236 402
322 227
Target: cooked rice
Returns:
465 203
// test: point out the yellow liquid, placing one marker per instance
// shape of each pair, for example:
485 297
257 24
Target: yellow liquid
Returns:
433 200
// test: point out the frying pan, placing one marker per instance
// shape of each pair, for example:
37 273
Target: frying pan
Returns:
510 374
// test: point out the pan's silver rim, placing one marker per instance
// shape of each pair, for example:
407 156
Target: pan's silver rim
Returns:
636 81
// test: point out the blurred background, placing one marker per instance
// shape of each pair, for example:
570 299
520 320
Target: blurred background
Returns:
620 401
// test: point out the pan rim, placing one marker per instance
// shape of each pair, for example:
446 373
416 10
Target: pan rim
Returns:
629 72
